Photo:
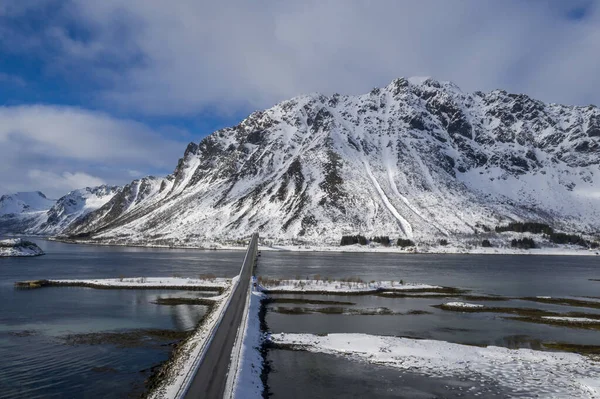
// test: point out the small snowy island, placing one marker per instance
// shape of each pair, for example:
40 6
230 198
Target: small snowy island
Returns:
19 247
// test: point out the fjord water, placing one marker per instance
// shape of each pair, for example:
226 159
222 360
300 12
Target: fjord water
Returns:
38 361
300 375
500 275
510 275
323 375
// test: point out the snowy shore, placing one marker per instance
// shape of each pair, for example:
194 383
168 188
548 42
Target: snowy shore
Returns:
337 286
357 248
449 250
148 283
519 370
16 247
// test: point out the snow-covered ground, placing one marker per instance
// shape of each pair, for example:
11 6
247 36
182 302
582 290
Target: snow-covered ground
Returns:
341 286
571 319
526 372
247 382
150 282
19 247
357 248
460 305
449 249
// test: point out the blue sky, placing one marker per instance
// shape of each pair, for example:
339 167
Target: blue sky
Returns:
107 91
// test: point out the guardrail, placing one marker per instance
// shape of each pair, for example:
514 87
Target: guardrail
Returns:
191 372
236 351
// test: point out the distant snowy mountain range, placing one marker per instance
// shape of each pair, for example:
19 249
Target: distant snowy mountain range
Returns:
33 213
417 159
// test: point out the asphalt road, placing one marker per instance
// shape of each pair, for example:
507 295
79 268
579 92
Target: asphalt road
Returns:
211 377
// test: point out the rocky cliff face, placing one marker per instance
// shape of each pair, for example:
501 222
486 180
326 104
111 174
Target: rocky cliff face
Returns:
418 159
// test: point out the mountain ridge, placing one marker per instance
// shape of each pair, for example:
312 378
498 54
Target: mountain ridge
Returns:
417 159
56 215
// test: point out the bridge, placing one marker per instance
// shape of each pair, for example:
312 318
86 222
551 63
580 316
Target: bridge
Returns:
210 379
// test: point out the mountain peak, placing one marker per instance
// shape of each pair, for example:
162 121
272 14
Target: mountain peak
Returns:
418 159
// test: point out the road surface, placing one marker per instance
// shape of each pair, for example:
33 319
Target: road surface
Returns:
211 376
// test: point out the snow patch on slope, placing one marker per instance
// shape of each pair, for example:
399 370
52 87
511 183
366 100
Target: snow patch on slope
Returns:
405 226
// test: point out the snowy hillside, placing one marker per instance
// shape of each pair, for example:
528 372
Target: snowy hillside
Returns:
418 159
19 248
76 205
24 202
39 215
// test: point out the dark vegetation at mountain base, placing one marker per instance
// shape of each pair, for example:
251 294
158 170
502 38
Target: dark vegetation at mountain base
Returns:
404 242
528 227
547 232
574 239
383 240
486 244
523 243
351 240
443 242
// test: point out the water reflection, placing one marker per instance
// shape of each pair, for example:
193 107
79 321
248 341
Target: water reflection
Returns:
315 375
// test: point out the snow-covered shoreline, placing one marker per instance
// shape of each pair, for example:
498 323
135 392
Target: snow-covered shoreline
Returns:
441 250
448 250
564 374
17 247
148 282
462 305
339 286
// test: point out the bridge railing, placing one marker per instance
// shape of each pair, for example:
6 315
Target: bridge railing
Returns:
191 371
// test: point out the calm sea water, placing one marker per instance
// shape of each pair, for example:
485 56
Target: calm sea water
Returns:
321 376
298 374
511 275
36 361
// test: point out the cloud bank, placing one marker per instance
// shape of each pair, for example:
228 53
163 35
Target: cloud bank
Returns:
179 58
153 60
58 149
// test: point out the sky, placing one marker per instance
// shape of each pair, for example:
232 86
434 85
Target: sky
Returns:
104 92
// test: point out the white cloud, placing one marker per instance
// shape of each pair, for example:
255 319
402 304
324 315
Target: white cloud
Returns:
194 57
179 58
58 149
62 183
75 133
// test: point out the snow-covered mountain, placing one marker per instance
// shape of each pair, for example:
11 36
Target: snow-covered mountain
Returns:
76 205
24 202
418 159
33 213
22 211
